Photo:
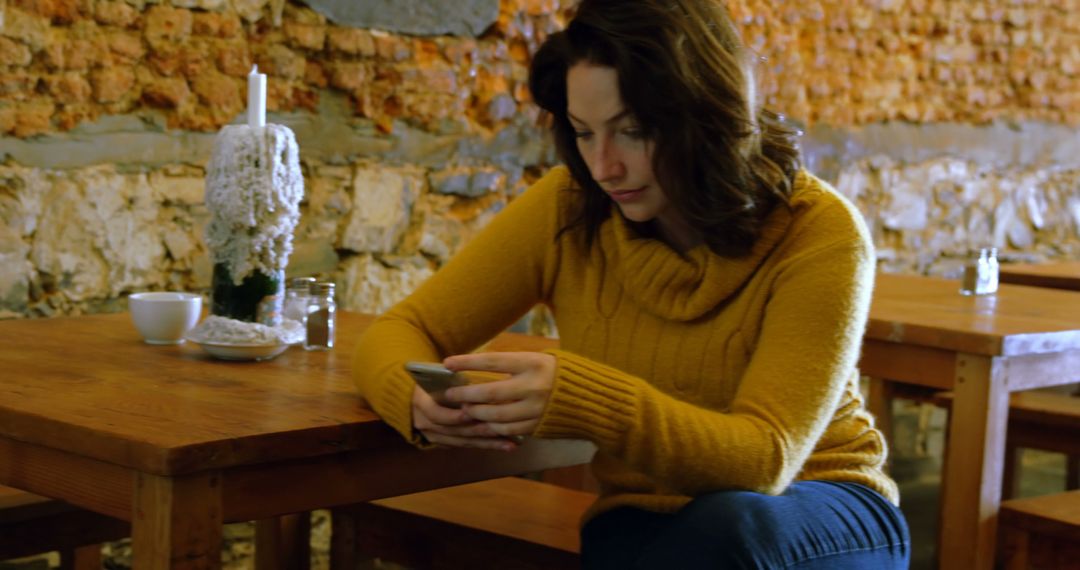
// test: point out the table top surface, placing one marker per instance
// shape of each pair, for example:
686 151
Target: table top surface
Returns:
1015 321
1055 274
88 385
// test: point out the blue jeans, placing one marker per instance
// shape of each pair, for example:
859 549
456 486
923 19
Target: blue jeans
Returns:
812 525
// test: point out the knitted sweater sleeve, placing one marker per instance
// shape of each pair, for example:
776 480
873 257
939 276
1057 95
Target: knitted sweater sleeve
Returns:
805 356
494 280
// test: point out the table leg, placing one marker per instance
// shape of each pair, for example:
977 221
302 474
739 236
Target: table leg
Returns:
971 485
177 522
879 402
283 542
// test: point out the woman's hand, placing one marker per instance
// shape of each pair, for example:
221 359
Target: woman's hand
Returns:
510 407
448 426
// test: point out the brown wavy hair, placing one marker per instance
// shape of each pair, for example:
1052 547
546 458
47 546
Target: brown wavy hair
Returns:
686 76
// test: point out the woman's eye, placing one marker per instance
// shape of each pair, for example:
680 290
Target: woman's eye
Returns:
634 133
582 134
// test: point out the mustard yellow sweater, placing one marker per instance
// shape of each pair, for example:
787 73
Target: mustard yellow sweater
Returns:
690 373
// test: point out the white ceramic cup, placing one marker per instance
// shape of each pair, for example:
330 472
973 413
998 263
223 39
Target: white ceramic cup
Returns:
164 317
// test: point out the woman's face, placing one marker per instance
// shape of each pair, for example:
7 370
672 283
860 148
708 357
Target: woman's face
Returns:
612 143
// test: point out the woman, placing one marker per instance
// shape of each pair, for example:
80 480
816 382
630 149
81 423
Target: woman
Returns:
710 298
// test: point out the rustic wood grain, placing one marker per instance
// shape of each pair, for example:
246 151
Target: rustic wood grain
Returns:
501 523
153 434
1056 274
91 386
1015 321
177 522
971 484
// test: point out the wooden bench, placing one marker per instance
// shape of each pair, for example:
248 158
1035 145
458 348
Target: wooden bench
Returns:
1041 532
502 523
1049 421
31 524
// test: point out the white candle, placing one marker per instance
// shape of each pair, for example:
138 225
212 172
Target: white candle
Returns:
256 98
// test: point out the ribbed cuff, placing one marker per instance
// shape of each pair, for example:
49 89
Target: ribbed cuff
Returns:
394 406
589 401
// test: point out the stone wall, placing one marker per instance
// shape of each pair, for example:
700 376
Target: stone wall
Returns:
948 122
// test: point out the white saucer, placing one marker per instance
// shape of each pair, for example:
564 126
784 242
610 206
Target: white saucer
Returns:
242 351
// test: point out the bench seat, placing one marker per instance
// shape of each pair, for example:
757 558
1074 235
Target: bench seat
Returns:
1041 532
31 524
502 523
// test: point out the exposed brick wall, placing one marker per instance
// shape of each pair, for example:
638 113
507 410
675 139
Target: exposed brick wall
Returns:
840 62
410 144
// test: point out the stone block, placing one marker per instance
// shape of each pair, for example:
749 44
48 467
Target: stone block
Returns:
166 92
315 74
234 59
467 181
392 48
167 61
126 47
18 86
16 271
30 29
56 11
305 36
82 54
166 26
115 13
350 41
197 59
33 118
178 190
382 204
112 83
349 75
250 10
218 91
373 286
280 62
71 114
69 87
13 53
225 25
99 235
7 118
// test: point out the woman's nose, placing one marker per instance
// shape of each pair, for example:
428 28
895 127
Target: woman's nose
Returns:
607 164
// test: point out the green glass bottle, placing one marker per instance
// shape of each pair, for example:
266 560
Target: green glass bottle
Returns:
257 299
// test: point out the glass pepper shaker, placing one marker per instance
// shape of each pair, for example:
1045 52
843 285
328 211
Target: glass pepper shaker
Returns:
297 295
321 314
980 273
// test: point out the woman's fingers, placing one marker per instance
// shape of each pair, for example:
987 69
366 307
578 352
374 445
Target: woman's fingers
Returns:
505 413
531 376
425 406
500 443
507 362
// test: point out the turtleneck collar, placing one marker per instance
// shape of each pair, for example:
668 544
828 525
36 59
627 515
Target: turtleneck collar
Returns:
684 287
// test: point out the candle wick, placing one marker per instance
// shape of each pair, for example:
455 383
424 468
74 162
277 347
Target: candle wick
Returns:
255 69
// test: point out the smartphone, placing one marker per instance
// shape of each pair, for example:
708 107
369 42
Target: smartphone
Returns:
435 379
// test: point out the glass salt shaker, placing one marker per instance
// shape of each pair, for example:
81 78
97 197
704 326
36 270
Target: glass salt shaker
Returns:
321 314
980 273
297 295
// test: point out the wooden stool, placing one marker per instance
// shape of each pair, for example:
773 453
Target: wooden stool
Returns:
1041 532
502 523
30 524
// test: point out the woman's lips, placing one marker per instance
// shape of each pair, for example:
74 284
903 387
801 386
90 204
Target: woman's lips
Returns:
625 195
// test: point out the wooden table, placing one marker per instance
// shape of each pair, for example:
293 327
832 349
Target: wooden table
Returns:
923 332
178 443
1053 274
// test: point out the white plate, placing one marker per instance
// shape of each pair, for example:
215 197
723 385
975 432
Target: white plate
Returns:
241 351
